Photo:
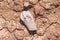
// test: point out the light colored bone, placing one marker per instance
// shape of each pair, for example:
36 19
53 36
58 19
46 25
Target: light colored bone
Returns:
28 19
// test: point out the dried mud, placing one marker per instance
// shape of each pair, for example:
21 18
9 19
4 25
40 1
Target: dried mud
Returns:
45 12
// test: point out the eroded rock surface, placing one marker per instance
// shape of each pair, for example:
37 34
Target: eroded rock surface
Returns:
45 12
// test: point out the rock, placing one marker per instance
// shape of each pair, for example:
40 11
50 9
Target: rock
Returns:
41 31
33 1
3 5
48 4
38 38
37 8
26 4
58 21
2 22
11 25
53 32
28 19
1 0
27 38
26 33
19 2
32 12
52 17
6 35
19 34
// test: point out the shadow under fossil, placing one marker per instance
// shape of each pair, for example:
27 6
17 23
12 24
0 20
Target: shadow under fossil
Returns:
32 32
27 8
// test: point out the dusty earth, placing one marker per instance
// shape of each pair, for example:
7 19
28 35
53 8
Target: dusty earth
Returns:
45 12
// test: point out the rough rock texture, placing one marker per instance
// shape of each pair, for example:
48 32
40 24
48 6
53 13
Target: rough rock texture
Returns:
45 12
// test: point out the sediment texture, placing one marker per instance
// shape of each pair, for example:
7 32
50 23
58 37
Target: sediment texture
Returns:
45 12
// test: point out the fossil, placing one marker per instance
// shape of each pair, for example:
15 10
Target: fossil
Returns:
28 20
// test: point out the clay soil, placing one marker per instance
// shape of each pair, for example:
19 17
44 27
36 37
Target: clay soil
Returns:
45 12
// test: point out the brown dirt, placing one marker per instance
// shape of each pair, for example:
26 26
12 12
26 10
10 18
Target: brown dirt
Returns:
45 12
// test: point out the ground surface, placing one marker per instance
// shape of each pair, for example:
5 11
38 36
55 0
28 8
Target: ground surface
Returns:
45 12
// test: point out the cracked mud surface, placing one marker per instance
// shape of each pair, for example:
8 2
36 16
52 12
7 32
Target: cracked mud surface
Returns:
45 12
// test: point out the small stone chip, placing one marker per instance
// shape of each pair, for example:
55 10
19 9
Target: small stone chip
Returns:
26 4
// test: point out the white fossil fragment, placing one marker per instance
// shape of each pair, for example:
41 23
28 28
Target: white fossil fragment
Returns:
28 19
26 4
